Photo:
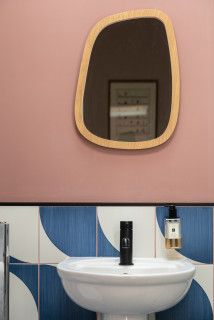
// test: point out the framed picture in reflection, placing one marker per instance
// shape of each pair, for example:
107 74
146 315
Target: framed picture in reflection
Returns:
132 110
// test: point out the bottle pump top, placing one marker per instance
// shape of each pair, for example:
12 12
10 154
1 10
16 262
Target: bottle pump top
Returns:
172 212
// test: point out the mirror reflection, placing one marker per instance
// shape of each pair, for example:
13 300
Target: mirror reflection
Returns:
128 87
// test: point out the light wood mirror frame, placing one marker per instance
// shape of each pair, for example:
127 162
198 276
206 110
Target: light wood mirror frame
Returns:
175 98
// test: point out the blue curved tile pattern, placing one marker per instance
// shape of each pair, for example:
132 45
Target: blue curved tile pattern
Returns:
105 248
195 306
197 231
14 260
71 229
29 275
74 230
54 302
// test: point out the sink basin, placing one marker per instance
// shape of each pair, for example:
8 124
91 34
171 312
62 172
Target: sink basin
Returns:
125 292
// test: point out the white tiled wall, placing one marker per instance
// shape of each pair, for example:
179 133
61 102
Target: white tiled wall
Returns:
31 245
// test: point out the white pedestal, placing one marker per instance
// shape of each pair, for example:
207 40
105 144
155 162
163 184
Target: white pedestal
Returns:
118 317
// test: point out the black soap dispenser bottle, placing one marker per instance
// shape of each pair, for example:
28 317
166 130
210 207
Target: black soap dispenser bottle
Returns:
173 229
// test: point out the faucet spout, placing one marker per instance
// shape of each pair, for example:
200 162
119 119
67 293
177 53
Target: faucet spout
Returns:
126 243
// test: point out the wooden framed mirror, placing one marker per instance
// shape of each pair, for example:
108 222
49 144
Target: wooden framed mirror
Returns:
129 85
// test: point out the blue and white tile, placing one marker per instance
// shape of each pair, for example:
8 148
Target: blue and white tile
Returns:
197 234
67 231
104 246
198 303
23 232
23 292
143 230
204 277
54 302
49 253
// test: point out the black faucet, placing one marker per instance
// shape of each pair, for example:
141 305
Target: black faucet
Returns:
126 243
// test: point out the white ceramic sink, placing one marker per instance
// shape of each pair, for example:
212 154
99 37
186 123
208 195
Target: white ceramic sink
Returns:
125 292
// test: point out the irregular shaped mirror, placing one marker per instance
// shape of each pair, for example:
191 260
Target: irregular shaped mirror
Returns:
128 90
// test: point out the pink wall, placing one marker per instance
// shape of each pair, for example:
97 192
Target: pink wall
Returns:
43 158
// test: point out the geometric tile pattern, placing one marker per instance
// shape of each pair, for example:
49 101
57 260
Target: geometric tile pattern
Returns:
23 292
105 248
194 306
54 302
23 235
197 231
143 219
28 274
52 233
76 227
197 245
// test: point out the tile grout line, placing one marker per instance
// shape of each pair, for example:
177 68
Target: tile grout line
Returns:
38 292
97 314
39 264
155 231
97 249
213 264
155 240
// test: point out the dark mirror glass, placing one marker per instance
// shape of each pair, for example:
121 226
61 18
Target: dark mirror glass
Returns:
129 84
